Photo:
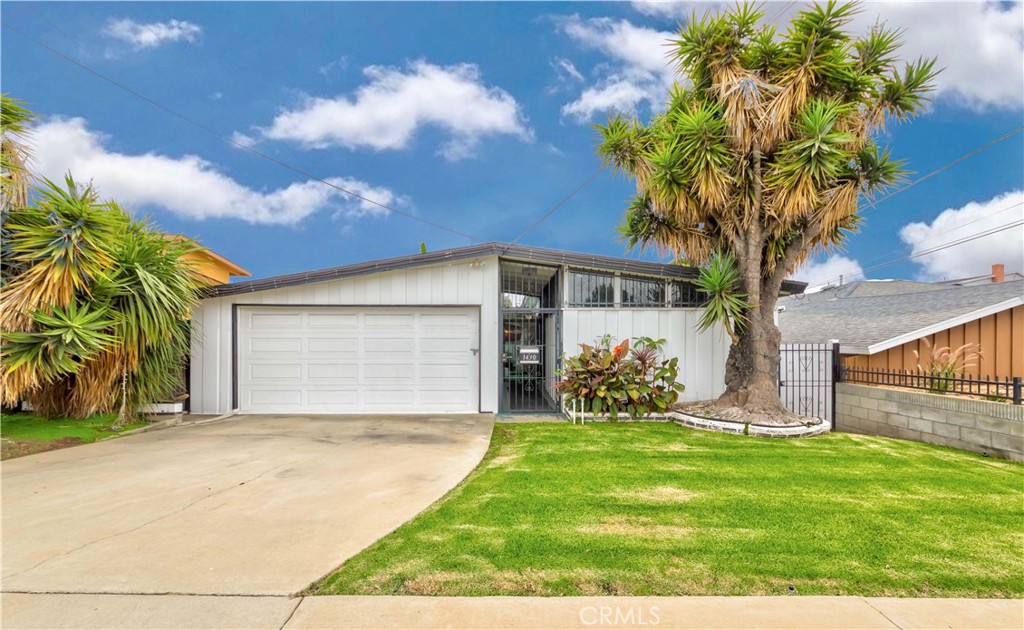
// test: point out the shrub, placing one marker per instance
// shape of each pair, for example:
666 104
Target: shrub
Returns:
616 379
945 364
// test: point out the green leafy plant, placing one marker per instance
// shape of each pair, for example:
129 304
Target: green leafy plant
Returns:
94 306
943 364
619 380
727 304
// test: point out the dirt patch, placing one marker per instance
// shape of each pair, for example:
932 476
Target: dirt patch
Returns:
9 449
525 582
635 526
738 414
660 494
433 583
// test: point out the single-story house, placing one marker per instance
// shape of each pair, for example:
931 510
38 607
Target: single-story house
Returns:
881 323
474 329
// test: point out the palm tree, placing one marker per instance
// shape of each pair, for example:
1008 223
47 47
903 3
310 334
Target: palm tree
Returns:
764 157
94 307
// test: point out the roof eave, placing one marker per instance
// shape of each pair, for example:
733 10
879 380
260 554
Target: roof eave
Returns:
913 335
503 250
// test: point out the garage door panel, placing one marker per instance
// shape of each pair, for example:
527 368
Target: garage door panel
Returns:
388 397
333 371
390 345
275 397
320 345
347 397
451 397
445 345
275 371
295 359
274 320
375 320
333 320
389 371
275 345
445 371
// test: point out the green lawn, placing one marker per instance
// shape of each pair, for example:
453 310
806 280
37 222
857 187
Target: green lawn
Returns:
25 434
655 509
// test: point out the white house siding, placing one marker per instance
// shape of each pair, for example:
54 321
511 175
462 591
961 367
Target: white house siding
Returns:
464 283
701 355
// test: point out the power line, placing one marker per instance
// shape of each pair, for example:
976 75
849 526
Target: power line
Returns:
950 164
559 204
565 199
942 168
938 248
959 227
230 140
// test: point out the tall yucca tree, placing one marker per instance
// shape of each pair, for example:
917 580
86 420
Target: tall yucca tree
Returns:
764 156
94 306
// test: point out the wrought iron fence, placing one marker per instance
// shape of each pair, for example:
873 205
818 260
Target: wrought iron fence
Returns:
1009 389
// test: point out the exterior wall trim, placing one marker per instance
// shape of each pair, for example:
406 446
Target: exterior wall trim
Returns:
934 328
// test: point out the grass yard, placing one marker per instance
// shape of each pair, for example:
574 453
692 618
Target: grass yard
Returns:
25 434
655 509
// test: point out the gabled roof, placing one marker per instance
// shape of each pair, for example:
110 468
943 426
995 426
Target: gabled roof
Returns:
871 316
504 250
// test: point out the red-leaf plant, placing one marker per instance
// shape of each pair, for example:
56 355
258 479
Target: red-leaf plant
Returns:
615 380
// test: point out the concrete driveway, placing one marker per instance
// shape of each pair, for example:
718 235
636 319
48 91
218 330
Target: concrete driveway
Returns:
250 505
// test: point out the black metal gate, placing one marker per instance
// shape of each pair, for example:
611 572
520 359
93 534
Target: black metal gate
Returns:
808 373
530 337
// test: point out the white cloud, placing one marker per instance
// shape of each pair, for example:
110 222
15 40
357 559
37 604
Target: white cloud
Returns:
189 186
975 257
242 139
820 274
638 68
387 112
567 69
338 65
980 44
143 35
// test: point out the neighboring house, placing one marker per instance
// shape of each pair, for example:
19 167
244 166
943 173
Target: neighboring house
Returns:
473 329
211 267
880 323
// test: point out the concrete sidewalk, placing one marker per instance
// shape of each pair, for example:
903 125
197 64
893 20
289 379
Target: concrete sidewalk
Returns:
201 611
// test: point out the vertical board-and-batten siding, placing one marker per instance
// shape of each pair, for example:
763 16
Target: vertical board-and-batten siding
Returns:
701 355
1001 337
449 284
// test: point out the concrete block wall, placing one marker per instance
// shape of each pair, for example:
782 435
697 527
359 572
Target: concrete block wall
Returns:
992 428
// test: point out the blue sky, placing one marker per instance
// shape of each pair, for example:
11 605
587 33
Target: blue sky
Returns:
477 116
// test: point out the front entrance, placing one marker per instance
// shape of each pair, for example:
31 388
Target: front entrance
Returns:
531 336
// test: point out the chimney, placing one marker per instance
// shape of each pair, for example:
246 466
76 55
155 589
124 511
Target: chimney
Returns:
998 273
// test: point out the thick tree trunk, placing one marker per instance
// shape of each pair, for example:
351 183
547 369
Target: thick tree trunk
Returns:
752 369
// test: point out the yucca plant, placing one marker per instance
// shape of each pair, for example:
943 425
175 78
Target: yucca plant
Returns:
726 304
764 156
94 306
943 364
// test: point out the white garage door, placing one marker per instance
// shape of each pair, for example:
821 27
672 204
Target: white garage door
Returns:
358 360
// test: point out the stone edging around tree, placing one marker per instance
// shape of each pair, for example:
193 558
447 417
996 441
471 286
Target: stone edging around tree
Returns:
811 428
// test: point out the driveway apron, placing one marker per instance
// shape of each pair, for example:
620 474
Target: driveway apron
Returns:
253 505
